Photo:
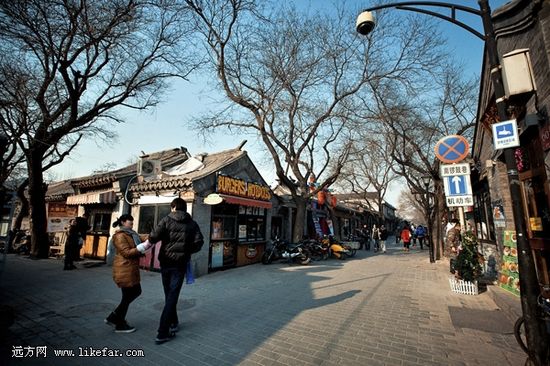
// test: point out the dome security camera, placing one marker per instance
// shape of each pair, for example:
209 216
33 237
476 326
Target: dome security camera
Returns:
365 23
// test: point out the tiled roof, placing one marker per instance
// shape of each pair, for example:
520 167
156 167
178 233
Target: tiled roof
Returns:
58 191
168 158
212 163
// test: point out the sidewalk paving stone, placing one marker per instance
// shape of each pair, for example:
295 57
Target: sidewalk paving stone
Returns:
374 309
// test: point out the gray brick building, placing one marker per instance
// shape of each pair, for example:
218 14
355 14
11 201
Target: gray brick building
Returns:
522 27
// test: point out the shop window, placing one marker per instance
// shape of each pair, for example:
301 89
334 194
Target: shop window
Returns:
102 222
483 215
223 227
536 203
150 215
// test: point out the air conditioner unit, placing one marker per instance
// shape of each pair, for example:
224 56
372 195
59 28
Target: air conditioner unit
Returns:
148 167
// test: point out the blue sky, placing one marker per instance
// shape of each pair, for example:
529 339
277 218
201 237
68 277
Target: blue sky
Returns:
167 126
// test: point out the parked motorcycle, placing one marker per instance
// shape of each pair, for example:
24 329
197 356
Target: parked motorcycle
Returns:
338 250
281 249
317 250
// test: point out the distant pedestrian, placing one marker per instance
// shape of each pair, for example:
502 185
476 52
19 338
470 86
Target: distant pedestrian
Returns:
383 237
376 238
82 227
125 270
406 237
71 245
452 244
364 234
420 234
412 229
181 237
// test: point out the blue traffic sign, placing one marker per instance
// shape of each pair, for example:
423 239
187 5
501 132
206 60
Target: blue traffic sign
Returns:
505 134
452 149
458 185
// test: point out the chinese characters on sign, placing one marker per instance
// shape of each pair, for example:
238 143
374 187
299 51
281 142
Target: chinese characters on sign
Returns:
460 201
448 170
456 182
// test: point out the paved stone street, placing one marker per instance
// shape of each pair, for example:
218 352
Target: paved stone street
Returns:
374 309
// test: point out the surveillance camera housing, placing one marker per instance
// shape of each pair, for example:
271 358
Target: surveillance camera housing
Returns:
365 23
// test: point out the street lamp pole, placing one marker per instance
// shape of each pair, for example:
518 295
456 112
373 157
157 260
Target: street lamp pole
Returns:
426 180
535 330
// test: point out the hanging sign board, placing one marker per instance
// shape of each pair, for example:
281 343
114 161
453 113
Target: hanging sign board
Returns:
505 134
452 149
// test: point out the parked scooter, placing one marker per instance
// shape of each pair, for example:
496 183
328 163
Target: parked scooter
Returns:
281 249
317 250
336 249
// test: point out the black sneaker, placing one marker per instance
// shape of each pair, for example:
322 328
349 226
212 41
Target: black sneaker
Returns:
111 320
174 328
124 328
162 339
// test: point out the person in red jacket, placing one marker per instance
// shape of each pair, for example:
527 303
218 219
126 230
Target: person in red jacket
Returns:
406 237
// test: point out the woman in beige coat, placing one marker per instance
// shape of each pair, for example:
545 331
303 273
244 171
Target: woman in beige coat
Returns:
125 270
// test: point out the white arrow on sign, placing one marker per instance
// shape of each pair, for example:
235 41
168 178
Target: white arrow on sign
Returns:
456 181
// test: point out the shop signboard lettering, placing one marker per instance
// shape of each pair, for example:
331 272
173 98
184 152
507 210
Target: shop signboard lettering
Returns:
241 188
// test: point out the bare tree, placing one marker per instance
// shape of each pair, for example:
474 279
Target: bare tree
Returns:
410 207
67 65
297 79
11 161
415 125
369 169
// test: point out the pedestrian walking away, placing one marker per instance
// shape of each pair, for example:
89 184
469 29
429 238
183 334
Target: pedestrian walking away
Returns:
406 237
71 245
420 235
376 238
181 237
128 249
383 238
365 237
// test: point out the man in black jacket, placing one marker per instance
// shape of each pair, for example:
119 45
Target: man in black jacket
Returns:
181 237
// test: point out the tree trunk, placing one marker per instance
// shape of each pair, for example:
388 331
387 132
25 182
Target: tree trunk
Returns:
24 210
440 204
299 220
40 245
335 223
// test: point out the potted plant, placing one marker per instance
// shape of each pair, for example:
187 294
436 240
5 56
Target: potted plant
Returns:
468 266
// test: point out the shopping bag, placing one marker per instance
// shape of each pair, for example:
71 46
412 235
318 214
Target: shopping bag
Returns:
189 278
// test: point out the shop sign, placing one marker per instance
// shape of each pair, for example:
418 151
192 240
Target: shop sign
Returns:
545 136
241 188
535 223
509 271
251 252
217 255
498 215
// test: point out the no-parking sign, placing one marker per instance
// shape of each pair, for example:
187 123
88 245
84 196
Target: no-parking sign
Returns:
452 149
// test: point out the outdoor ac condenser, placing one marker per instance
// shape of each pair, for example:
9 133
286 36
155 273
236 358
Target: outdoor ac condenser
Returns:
148 167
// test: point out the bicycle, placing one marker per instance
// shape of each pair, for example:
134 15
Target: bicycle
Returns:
519 329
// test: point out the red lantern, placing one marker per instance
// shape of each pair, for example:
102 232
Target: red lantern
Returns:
321 197
333 201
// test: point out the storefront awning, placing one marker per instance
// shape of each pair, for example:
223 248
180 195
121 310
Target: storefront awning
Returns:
245 201
92 197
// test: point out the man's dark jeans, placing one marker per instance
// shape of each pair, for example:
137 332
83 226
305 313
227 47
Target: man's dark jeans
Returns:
172 280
